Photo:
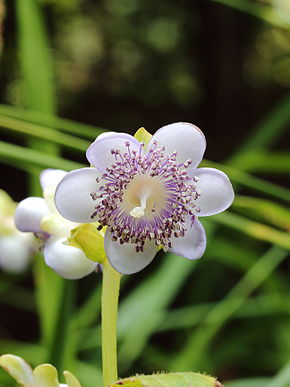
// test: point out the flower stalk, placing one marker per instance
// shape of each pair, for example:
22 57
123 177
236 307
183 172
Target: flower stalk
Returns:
110 297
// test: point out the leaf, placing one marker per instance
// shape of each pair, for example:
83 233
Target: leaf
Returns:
179 379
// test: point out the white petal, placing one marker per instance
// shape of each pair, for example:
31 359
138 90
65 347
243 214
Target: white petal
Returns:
18 369
15 252
72 196
29 213
216 191
68 261
51 177
99 152
184 138
125 259
193 244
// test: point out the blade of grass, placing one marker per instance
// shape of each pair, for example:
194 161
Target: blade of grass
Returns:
253 229
186 317
263 12
39 94
34 158
264 162
194 352
43 133
51 121
263 210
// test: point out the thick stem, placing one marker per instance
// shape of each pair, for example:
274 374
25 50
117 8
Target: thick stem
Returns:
110 296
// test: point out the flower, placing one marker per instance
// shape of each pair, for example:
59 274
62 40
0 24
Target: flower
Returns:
42 375
148 195
16 247
39 215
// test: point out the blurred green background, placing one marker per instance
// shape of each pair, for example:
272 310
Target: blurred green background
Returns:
223 65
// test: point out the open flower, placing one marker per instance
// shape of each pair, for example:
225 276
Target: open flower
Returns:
44 375
39 216
147 196
16 248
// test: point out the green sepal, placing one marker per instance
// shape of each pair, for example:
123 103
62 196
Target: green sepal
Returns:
89 239
143 136
179 379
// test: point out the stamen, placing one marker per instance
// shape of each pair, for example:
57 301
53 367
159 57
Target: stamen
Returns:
166 191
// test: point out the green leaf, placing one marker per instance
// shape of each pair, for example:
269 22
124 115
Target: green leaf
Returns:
179 379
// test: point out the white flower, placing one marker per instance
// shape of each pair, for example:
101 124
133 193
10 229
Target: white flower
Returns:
16 248
147 196
39 215
44 375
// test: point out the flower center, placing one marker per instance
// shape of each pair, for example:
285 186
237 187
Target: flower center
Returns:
145 196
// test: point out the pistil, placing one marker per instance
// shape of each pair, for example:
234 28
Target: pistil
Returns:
138 212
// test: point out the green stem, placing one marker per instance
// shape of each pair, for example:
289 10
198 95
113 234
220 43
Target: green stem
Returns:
110 296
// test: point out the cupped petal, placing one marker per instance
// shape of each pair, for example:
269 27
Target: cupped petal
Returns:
192 245
15 252
29 213
125 259
18 369
71 380
99 152
51 177
184 138
68 261
72 195
45 375
216 191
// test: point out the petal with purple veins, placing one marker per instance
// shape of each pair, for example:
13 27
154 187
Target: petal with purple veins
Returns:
125 259
29 213
72 196
216 191
192 245
99 153
184 138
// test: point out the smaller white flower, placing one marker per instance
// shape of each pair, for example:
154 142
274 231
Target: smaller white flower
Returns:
39 216
44 375
16 248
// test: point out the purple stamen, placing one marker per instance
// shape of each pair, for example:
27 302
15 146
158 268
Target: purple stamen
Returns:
158 224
